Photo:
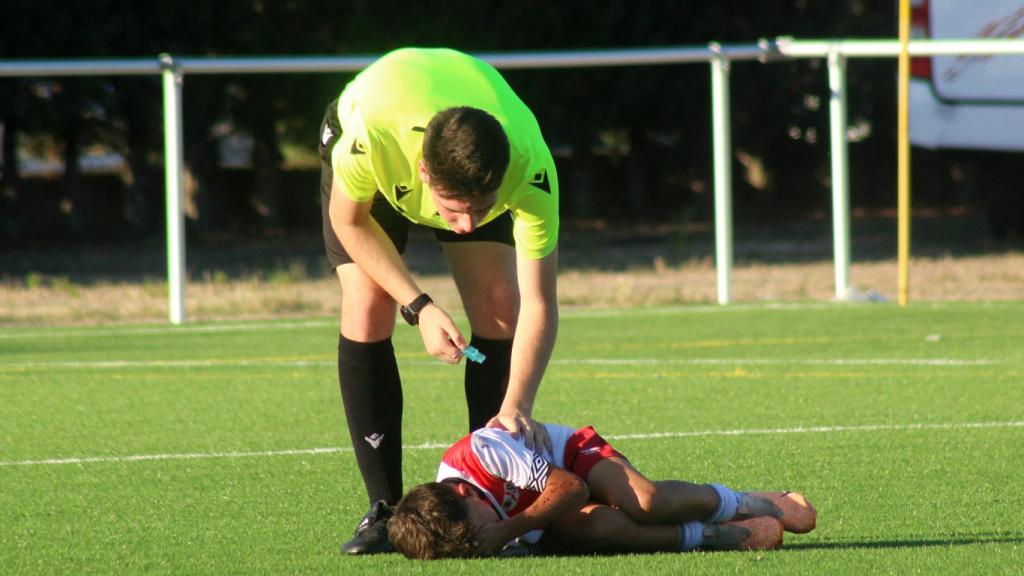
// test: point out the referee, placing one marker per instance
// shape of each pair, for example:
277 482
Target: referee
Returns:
437 138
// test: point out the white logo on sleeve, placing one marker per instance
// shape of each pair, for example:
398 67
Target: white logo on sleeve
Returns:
538 473
374 439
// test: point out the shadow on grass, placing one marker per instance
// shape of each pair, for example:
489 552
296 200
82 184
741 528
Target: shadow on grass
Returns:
974 540
912 543
862 545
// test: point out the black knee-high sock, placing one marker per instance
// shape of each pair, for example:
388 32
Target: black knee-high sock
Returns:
486 383
371 391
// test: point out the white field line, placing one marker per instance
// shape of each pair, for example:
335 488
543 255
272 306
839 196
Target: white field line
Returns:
209 363
149 330
782 361
754 306
437 446
212 362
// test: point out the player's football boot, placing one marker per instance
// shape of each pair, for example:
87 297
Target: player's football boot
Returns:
761 533
798 515
371 535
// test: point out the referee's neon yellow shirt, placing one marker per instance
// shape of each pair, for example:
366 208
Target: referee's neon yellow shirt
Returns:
383 112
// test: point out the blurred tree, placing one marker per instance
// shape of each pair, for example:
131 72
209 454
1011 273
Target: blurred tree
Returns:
10 179
631 141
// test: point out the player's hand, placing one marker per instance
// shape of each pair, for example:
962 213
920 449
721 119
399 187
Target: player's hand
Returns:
491 538
441 337
534 434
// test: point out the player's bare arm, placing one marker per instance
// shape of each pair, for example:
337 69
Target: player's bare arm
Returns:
564 492
376 256
536 330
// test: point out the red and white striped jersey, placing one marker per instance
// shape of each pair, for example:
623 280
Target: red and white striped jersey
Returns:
499 464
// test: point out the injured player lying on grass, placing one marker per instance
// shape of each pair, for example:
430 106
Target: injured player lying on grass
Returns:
495 496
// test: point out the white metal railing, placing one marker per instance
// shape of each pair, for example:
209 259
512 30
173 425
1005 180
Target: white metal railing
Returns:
718 56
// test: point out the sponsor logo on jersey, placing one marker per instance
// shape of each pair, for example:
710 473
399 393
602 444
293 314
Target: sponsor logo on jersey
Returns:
511 498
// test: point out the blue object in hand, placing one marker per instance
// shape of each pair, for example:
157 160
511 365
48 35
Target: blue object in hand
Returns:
474 355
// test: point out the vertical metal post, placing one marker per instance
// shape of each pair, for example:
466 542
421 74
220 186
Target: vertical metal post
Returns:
173 154
840 172
903 156
722 146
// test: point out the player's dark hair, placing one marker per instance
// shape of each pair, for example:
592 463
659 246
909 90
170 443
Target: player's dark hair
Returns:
465 151
430 522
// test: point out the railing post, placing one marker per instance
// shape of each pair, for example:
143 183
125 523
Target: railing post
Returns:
173 154
840 172
722 145
903 156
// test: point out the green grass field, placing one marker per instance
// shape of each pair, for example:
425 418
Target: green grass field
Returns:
221 448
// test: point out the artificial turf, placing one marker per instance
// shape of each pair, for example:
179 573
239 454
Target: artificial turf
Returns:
221 448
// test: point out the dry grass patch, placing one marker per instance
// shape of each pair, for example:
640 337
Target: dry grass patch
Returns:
57 301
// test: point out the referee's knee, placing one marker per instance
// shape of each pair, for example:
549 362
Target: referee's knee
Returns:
367 317
496 319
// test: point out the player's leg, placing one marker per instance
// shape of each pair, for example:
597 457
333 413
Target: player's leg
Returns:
483 265
602 528
616 482
612 480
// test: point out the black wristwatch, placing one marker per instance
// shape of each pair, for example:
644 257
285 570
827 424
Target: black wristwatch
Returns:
411 311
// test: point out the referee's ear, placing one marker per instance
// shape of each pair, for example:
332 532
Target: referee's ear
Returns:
423 173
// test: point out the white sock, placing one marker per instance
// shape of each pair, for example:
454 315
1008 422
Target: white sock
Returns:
728 503
690 536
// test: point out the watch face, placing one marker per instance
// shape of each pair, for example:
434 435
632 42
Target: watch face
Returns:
411 312
409 316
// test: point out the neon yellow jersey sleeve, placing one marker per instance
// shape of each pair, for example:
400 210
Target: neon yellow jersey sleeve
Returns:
353 171
534 207
384 112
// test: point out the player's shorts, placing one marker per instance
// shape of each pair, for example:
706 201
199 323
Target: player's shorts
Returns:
394 224
584 449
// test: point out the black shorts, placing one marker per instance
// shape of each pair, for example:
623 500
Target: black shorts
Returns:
394 224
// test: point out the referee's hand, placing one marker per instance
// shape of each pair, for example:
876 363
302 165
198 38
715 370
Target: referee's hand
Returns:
534 434
441 337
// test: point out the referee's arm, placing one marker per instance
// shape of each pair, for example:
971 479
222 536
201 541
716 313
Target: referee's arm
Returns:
534 341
